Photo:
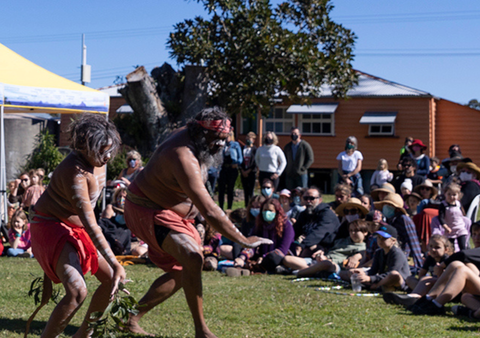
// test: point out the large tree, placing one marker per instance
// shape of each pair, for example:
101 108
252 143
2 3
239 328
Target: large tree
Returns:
253 51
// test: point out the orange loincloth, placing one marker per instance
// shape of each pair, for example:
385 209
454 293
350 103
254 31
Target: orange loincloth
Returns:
49 238
142 220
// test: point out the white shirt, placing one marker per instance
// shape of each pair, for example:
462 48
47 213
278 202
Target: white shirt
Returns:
349 162
271 159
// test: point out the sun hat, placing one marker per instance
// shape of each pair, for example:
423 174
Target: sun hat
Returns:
386 187
351 203
395 200
413 194
470 165
387 231
427 184
285 192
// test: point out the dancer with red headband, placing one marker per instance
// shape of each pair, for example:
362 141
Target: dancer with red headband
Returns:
162 203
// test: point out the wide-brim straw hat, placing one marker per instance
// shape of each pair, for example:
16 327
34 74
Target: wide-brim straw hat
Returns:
351 203
470 165
386 187
455 156
413 194
395 200
427 184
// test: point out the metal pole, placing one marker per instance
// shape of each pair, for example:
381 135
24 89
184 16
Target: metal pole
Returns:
3 179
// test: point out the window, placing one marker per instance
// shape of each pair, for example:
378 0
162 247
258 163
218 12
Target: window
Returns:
381 129
317 124
379 124
279 121
249 124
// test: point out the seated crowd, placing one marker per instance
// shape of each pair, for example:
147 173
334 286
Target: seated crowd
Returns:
410 234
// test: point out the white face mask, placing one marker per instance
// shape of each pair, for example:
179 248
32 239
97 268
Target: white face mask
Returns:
453 169
465 176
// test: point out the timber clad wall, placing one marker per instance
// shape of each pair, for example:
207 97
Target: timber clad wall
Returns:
412 120
457 124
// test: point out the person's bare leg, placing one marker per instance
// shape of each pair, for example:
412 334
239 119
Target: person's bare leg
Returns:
393 279
444 278
423 286
462 280
472 302
189 254
295 263
70 273
161 289
412 282
313 269
101 297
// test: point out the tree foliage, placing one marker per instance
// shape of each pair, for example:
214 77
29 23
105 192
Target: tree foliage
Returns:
45 154
253 51
474 104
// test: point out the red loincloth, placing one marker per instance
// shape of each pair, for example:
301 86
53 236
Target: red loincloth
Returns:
141 220
49 238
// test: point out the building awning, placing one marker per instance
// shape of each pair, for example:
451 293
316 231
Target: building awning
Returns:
378 118
124 109
322 108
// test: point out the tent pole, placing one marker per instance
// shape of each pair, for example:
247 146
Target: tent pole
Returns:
104 198
3 179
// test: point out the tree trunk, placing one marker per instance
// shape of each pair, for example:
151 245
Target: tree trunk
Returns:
141 95
194 93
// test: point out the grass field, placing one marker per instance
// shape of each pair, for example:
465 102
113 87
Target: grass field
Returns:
255 306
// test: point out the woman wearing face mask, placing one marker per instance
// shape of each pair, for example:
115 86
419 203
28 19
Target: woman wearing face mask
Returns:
273 224
248 168
297 206
270 159
134 166
268 189
469 174
423 161
350 165
396 215
350 211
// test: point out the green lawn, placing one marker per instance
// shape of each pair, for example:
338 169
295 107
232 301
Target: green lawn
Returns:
255 306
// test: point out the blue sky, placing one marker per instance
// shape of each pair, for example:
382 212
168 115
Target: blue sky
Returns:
428 45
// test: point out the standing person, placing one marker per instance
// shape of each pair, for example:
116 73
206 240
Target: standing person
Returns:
232 158
162 203
350 165
66 239
423 161
270 159
134 166
299 155
404 152
248 168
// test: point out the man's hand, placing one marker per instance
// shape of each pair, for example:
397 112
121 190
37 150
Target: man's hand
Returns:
274 177
254 241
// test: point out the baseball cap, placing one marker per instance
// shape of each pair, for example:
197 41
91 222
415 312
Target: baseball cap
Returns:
387 231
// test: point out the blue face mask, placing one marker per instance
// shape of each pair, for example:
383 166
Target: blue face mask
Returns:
120 219
268 215
255 212
388 211
266 192
297 200
132 163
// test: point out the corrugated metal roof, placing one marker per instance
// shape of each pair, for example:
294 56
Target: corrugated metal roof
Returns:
369 85
112 90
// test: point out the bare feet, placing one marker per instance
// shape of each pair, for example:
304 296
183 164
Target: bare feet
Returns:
135 328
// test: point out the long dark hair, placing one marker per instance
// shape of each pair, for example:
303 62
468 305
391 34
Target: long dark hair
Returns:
279 219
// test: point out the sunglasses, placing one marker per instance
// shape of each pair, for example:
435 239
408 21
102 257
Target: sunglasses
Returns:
425 188
24 180
310 198
350 211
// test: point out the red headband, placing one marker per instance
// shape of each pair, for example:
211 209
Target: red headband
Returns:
221 126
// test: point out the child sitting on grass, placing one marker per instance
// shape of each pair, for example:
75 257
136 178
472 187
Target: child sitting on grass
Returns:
19 236
439 249
390 266
345 253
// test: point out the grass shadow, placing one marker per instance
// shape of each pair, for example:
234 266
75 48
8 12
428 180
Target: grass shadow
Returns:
18 326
